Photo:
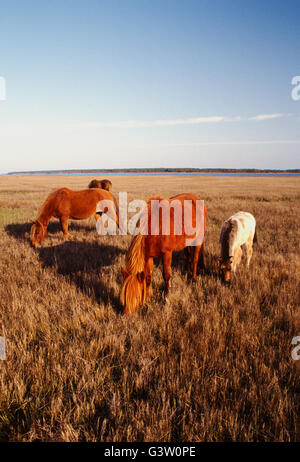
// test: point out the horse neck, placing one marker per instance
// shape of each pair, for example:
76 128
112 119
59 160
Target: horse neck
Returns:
45 214
228 242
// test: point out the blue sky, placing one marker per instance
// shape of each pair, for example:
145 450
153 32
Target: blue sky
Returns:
138 83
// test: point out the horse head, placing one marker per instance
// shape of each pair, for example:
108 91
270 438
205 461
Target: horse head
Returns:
134 290
37 233
225 270
106 184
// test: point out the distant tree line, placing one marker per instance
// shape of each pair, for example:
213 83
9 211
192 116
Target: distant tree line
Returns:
152 170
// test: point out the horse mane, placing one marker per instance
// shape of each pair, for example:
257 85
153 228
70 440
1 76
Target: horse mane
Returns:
135 260
46 208
228 232
133 292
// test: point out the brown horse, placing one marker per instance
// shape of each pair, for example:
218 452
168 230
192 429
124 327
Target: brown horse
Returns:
145 246
101 184
65 204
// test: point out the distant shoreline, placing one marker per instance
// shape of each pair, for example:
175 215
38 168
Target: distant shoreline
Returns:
157 171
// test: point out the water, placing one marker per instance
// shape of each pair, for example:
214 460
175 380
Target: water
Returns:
217 174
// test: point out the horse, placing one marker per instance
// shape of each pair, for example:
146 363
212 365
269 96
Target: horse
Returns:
101 184
236 231
137 277
65 204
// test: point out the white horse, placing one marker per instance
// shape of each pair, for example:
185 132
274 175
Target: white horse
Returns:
238 230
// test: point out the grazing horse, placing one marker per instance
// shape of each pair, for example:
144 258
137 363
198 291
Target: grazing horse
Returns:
101 184
238 230
147 245
65 204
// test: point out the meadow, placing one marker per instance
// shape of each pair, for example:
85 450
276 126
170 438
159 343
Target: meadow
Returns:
206 363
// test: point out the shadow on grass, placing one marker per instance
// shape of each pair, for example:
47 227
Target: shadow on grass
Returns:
84 264
19 230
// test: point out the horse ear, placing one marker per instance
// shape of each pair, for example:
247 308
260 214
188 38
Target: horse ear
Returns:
124 272
141 276
36 222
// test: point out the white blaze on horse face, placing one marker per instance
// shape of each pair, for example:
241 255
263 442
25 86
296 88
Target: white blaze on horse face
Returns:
196 231
106 224
166 206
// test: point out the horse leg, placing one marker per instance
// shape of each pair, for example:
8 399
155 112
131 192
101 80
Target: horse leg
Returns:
195 262
64 227
189 256
239 255
249 251
235 258
148 274
167 260
201 257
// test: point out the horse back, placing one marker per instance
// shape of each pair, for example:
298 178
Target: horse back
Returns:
237 229
160 242
77 204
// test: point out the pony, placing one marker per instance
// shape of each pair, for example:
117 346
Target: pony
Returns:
236 231
137 276
101 184
65 204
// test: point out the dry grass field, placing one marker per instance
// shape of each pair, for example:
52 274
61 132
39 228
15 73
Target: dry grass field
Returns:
207 363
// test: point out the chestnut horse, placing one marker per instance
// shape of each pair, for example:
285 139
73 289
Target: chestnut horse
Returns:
65 204
145 246
102 184
236 231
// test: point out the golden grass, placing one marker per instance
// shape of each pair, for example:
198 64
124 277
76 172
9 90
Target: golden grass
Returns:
207 363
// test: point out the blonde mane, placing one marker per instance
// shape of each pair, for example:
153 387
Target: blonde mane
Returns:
133 292
135 259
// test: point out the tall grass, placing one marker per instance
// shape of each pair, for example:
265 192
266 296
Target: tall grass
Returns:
205 363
